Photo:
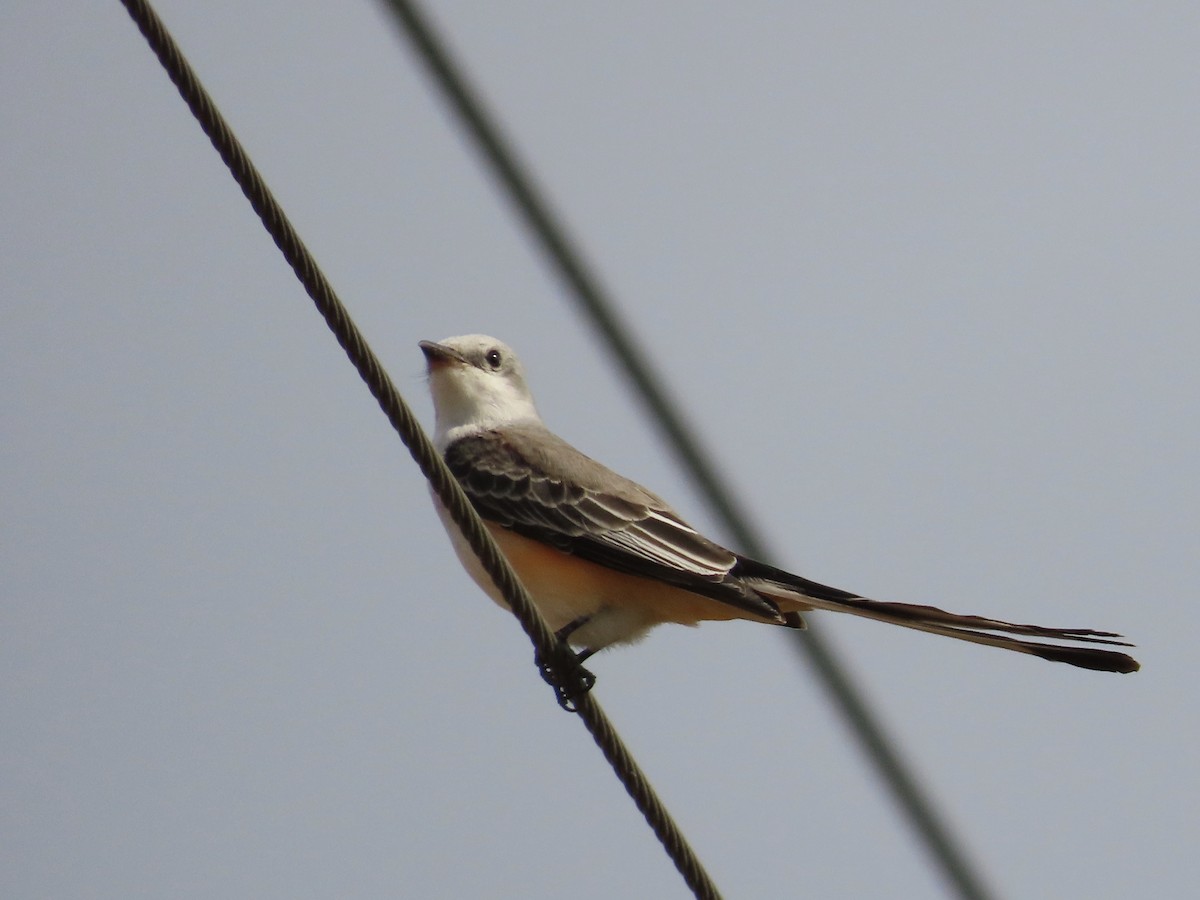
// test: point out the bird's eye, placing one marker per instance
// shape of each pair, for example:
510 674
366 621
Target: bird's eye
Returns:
494 358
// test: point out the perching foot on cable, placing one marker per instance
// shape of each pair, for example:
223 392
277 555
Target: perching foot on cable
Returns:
565 672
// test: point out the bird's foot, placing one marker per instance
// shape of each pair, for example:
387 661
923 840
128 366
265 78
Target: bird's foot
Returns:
565 673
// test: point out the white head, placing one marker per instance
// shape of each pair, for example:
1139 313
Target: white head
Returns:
477 383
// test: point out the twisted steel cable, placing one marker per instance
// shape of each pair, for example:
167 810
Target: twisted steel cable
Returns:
555 658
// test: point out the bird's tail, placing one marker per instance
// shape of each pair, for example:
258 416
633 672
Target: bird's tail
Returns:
800 593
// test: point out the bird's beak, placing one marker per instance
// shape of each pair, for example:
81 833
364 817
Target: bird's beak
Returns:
438 355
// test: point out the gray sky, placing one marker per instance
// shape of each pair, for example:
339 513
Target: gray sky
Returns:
926 280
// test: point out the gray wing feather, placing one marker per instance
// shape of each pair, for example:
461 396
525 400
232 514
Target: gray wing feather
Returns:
529 480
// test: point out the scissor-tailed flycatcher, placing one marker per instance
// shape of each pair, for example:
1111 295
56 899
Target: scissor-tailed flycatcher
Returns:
605 560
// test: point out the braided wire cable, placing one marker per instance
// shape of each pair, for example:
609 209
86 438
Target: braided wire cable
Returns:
557 660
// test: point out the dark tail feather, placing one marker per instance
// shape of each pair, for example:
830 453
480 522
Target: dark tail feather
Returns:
1087 658
1084 657
778 584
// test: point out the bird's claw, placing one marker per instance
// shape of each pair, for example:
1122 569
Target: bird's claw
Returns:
566 674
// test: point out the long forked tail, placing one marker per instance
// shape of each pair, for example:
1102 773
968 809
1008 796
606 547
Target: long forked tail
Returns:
792 589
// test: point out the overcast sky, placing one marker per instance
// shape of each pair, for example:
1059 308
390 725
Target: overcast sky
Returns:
925 278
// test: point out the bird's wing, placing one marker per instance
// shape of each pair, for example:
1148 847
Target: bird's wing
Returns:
527 479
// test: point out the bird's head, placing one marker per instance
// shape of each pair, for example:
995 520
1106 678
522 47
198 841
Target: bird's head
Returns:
477 384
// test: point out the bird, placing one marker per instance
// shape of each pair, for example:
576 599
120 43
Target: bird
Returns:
605 560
